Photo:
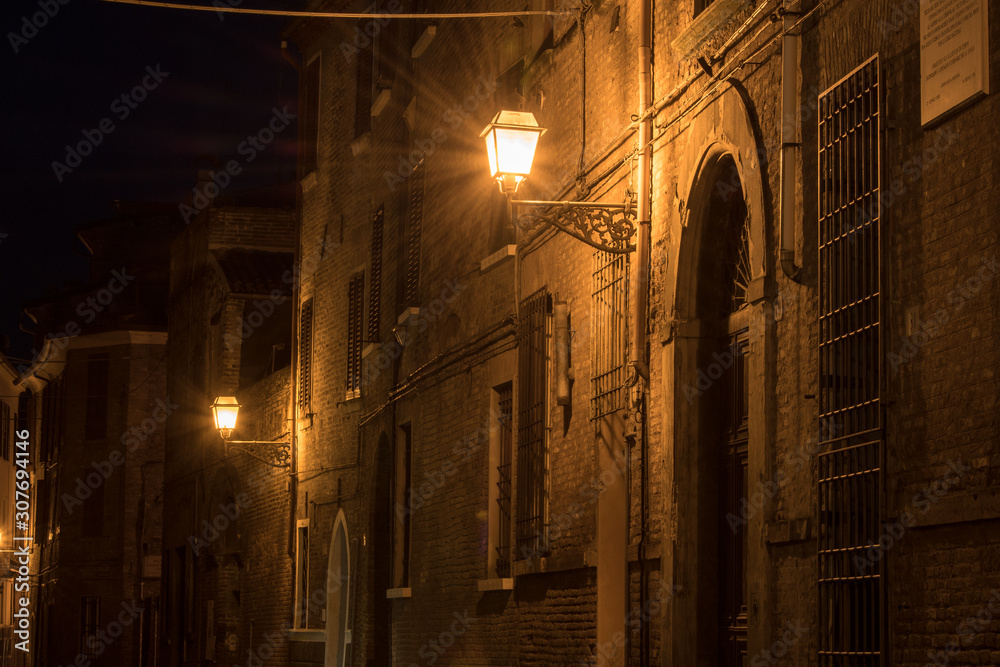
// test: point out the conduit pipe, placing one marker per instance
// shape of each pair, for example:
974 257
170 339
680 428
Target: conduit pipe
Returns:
789 137
640 282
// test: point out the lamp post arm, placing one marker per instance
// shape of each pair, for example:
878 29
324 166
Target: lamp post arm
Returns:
276 454
601 225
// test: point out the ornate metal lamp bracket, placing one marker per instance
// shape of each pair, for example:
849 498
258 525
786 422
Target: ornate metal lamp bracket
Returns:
602 225
274 454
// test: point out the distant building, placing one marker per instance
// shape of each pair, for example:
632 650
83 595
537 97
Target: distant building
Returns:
10 422
227 538
98 407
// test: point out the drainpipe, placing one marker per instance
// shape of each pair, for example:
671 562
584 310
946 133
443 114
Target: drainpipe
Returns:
293 464
789 137
640 270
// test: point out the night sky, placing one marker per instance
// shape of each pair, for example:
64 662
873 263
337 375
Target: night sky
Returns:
217 82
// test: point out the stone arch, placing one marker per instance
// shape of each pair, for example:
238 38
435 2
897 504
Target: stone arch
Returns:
722 158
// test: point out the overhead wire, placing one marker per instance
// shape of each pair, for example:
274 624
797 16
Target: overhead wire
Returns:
341 15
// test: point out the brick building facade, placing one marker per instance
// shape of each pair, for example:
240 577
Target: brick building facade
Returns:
808 477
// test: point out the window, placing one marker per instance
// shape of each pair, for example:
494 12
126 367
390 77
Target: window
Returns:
609 348
701 5
6 422
363 90
413 235
305 355
355 311
403 496
851 595
93 513
96 424
90 611
502 442
532 362
375 296
150 623
302 574
310 116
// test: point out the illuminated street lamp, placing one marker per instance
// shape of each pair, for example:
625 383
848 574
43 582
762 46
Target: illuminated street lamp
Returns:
511 139
224 410
274 453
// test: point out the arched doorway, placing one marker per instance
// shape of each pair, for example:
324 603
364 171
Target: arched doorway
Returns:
716 416
723 284
338 594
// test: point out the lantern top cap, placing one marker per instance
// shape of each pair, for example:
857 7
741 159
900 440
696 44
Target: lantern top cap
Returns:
227 401
520 120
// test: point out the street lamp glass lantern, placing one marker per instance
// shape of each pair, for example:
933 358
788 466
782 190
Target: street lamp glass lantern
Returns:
224 410
511 139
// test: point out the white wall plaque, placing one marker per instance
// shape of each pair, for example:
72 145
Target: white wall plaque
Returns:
954 55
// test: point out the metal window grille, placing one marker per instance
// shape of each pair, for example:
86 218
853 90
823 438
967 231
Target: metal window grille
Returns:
305 354
505 406
609 347
413 235
355 328
532 361
851 590
90 611
375 298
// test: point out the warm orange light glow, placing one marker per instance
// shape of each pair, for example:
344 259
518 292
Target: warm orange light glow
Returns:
224 411
511 139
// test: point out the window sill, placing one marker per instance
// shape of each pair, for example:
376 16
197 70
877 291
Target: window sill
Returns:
369 348
382 101
362 144
701 28
398 593
304 635
408 314
308 181
496 584
574 560
496 259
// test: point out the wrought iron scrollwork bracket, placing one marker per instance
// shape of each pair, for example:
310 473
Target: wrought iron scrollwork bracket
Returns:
274 454
602 225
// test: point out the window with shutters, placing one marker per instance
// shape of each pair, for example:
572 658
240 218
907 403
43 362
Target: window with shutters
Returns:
532 464
503 434
355 331
852 443
90 612
363 90
375 296
403 497
305 355
609 348
416 219
96 423
310 116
